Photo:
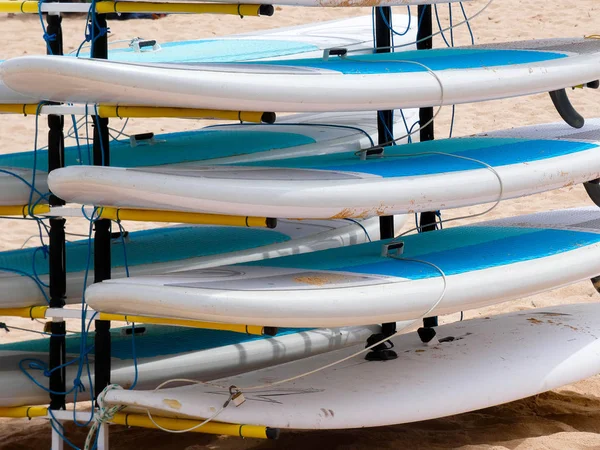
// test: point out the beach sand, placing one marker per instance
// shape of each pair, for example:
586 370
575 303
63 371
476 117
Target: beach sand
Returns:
568 418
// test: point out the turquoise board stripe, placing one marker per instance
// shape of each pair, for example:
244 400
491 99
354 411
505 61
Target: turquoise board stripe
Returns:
172 148
437 59
454 250
213 50
158 340
493 151
152 246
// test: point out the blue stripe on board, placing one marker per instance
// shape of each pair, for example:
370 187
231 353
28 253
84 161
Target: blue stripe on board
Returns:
213 50
152 246
158 340
173 148
454 250
493 151
437 59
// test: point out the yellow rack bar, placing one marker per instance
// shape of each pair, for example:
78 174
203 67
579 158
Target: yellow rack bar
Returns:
108 111
248 329
144 215
25 109
41 312
245 431
104 7
111 111
23 210
32 312
24 411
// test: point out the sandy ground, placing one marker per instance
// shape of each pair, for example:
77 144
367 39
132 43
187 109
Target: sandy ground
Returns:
564 419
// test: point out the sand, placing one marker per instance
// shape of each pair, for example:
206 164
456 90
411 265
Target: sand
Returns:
568 418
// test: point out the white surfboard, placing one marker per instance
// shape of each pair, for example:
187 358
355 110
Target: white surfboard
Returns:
295 135
308 40
484 362
352 82
165 352
483 264
427 176
171 249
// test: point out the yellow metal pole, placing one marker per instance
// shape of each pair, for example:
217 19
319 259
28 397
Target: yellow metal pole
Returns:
23 411
32 7
25 109
109 111
248 329
144 215
245 431
39 312
32 312
23 210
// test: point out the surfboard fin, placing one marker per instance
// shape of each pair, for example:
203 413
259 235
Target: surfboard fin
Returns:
596 282
593 190
566 110
381 352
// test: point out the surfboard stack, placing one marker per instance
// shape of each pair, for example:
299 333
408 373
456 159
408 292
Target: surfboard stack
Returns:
321 182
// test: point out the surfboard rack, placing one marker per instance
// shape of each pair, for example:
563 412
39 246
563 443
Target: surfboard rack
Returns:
126 112
106 7
44 312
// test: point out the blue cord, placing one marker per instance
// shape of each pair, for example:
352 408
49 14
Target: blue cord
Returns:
437 18
360 225
389 136
47 37
62 432
409 136
462 8
79 156
134 356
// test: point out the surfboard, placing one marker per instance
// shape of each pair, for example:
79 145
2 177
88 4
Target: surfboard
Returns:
475 364
175 248
295 135
439 272
426 176
309 40
162 353
349 82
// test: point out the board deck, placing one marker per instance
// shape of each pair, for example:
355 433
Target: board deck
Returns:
425 176
295 135
163 353
484 362
307 41
174 248
483 264
355 82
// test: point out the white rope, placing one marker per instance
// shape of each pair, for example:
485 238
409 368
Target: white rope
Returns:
102 415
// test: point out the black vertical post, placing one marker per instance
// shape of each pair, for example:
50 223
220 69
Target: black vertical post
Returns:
385 123
425 42
57 258
102 261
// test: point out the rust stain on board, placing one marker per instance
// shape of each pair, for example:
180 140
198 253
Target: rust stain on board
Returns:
171 403
320 280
